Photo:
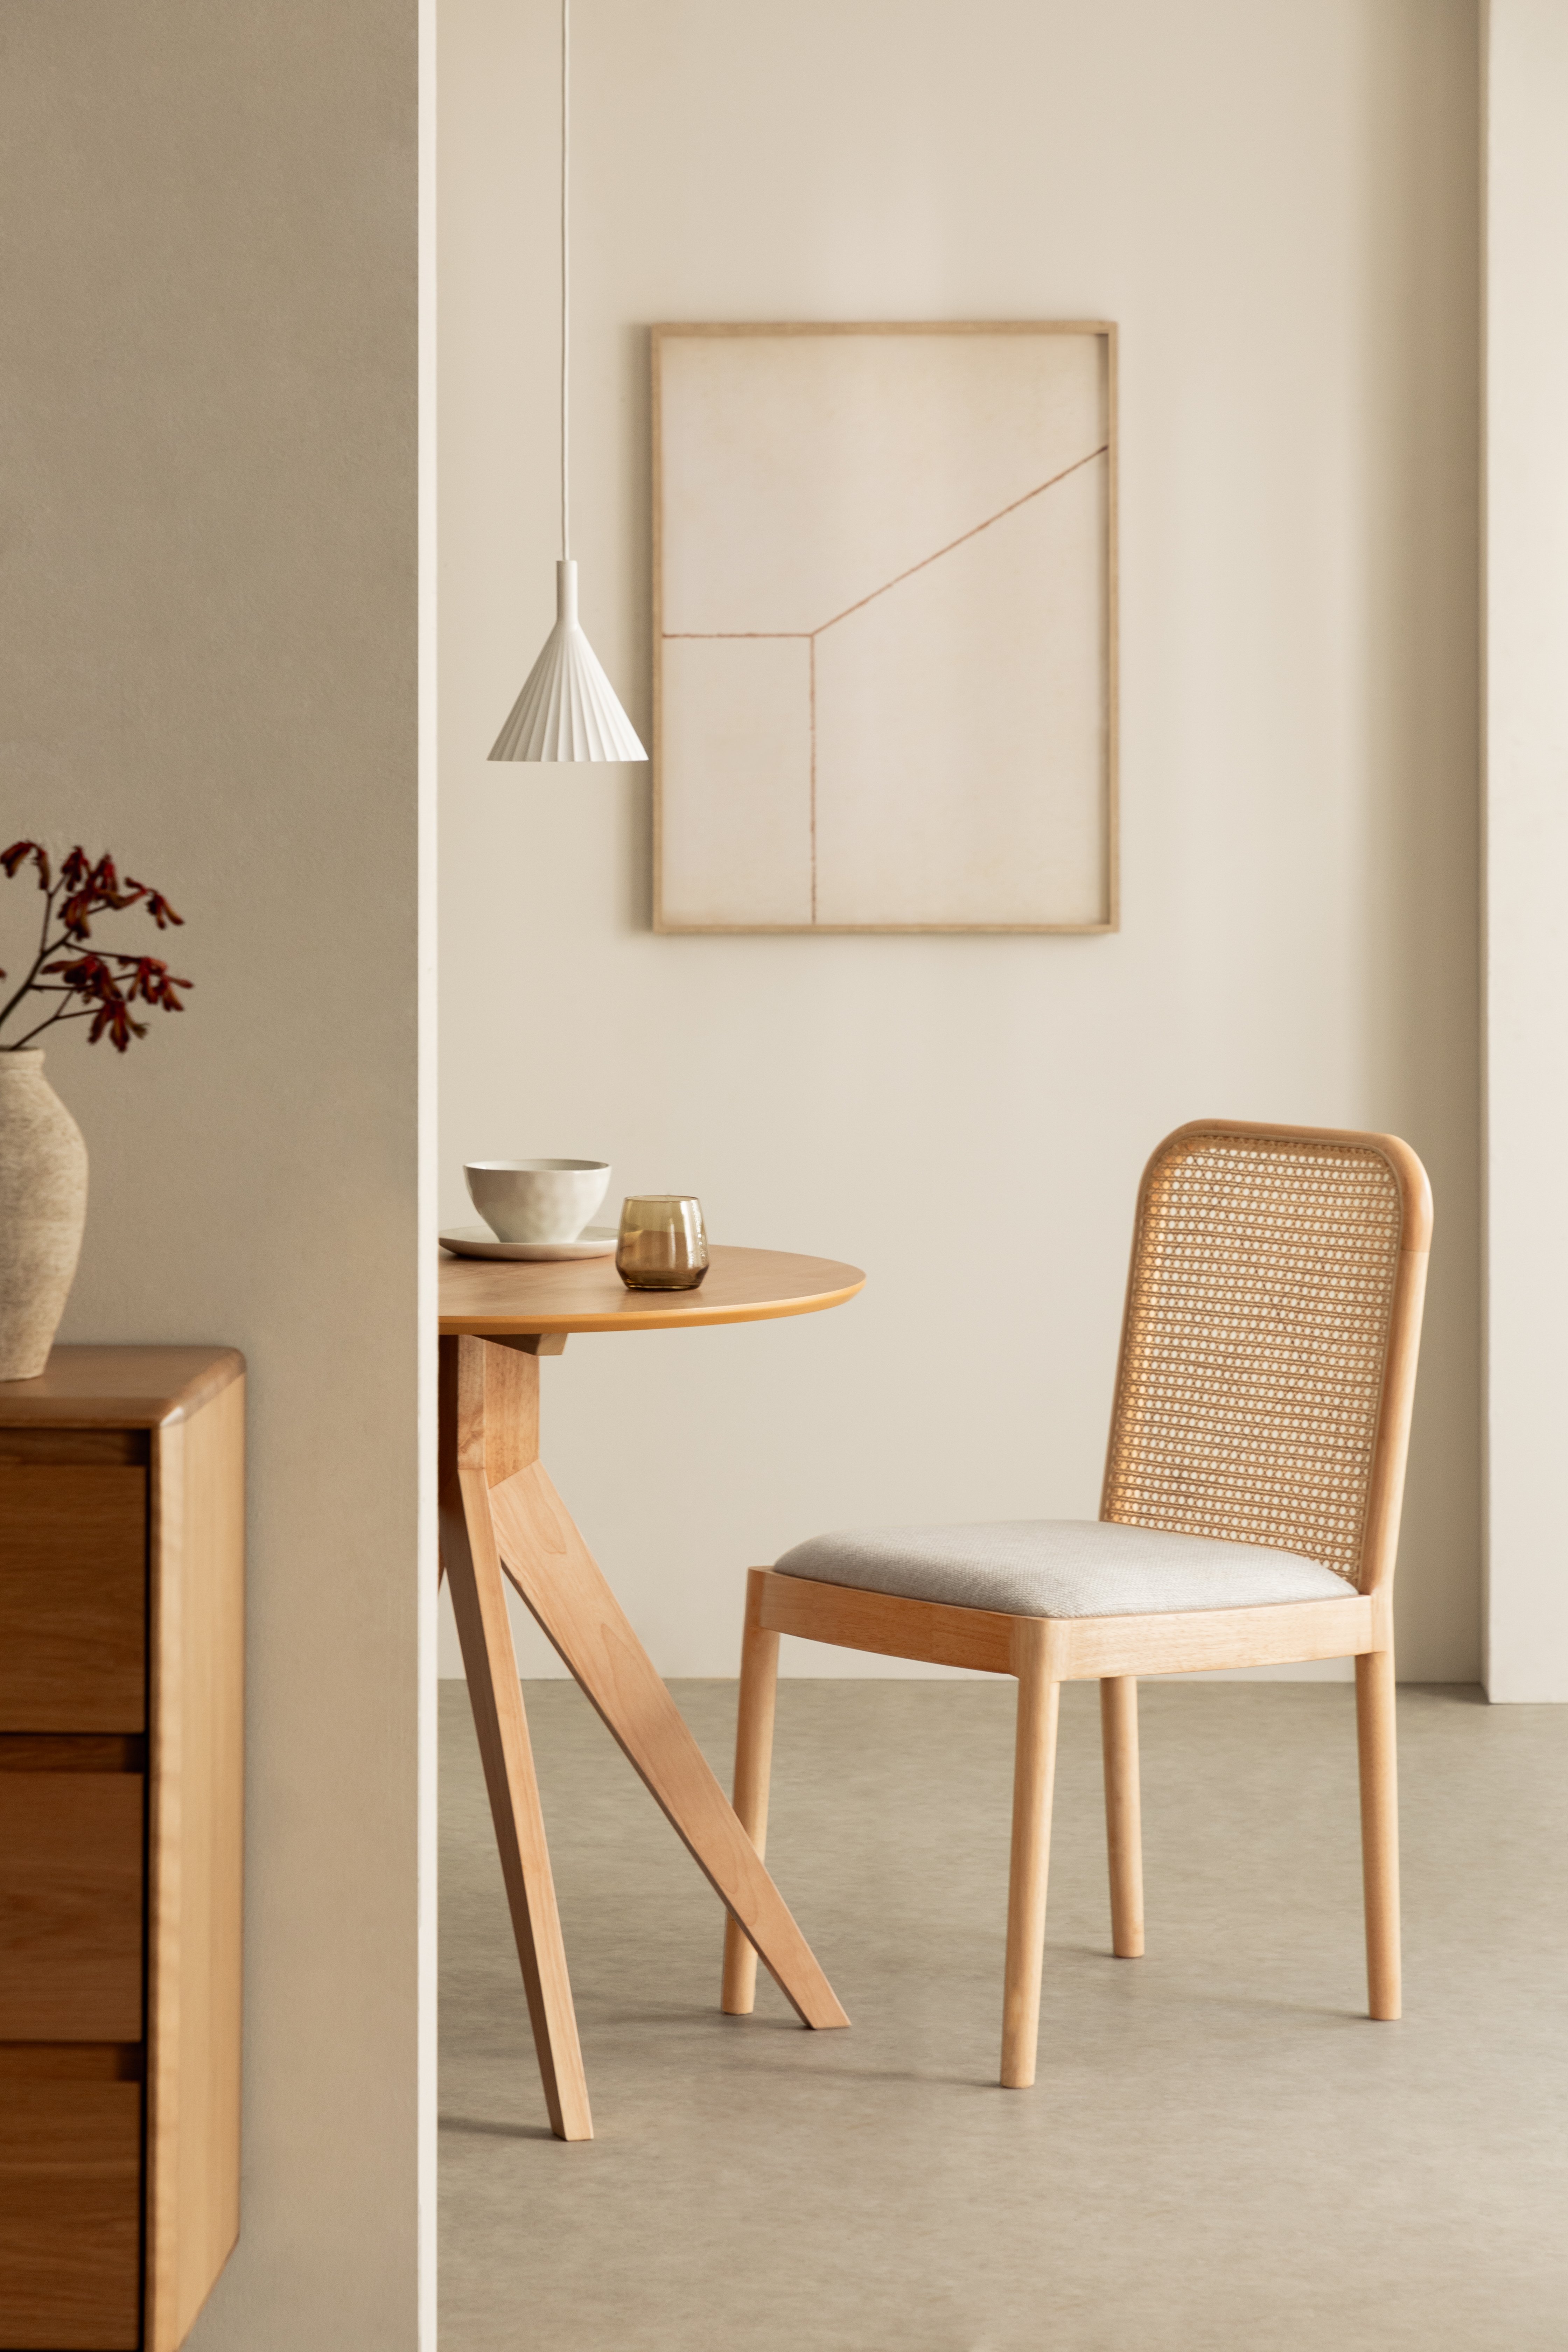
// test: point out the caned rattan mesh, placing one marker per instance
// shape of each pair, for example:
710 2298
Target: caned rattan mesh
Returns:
1258 1319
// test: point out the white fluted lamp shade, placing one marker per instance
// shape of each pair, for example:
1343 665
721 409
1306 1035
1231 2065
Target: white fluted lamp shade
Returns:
567 709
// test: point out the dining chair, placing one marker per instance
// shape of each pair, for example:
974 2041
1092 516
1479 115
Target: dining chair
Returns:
1250 1518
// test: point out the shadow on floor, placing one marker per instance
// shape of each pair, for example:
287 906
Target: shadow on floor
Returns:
1221 2150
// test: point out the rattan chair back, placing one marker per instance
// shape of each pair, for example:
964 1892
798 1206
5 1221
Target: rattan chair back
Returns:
1268 1346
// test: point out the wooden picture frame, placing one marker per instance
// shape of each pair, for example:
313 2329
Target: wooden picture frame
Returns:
850 820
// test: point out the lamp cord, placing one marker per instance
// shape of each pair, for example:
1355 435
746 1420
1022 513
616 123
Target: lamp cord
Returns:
565 268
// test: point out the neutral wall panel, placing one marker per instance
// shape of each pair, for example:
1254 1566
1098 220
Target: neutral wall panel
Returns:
208 647
1527 846
1279 206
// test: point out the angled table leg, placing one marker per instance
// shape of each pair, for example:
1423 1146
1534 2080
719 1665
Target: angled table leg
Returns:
489 1424
553 1569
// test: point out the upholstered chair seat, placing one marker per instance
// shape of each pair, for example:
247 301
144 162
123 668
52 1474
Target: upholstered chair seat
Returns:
1250 1518
1061 1568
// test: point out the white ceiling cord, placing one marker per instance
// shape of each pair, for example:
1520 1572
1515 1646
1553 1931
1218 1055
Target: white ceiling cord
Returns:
567 709
566 280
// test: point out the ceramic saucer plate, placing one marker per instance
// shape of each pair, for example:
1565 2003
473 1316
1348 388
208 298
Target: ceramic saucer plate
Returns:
478 1240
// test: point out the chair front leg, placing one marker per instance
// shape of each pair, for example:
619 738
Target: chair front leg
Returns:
754 1769
1379 1828
1033 1774
1123 1821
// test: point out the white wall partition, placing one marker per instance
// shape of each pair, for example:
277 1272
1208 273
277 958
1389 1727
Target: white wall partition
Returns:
1527 845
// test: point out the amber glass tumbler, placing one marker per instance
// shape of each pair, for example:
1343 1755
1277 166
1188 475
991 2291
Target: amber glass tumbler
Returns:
663 1245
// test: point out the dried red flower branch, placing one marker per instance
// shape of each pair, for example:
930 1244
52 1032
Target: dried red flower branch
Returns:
93 987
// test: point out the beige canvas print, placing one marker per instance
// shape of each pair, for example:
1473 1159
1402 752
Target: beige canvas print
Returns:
884 628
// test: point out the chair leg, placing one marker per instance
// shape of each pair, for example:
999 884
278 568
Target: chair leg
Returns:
754 1766
1124 1822
1379 1828
1033 1773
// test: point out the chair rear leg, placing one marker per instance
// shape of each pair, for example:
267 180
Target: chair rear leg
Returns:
753 1767
1123 1821
1033 1774
1379 1828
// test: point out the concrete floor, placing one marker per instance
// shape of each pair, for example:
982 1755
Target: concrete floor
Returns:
1221 2150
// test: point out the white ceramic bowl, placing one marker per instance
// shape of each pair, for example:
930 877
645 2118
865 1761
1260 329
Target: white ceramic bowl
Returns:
537 1200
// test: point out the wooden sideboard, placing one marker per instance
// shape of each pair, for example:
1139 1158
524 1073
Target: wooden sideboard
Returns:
121 1809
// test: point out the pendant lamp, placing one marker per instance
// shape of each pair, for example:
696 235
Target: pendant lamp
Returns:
567 709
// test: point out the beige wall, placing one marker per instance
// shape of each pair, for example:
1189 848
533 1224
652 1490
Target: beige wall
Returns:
1527 844
1279 205
207 628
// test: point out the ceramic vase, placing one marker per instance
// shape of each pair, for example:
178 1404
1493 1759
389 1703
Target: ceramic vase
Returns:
43 1207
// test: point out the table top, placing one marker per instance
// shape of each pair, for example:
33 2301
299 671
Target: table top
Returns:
504 1295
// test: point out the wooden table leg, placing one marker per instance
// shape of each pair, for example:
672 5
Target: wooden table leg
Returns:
490 1420
554 1571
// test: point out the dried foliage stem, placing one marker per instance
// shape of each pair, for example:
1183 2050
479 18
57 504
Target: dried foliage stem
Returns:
99 987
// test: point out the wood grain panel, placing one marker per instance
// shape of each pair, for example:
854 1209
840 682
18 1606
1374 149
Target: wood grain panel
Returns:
118 1388
70 1907
73 1598
66 1752
490 1297
99 1448
1197 1641
81 2062
198 1820
855 1620
71 2215
121 1505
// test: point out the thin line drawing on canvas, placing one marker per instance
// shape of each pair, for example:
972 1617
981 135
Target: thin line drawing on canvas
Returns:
940 758
810 637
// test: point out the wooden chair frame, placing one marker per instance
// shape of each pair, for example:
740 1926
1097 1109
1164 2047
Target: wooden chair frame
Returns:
1044 1653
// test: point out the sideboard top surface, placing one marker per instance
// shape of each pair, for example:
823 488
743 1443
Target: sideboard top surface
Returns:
118 1388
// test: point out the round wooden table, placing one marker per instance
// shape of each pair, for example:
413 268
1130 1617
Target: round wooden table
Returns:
500 1516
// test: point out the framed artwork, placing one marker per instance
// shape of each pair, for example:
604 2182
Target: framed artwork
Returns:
885 628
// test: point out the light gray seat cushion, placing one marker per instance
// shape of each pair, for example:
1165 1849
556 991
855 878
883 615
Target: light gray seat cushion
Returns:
1061 1568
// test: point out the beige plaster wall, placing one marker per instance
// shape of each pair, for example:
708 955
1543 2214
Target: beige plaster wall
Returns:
1527 845
207 663
1279 206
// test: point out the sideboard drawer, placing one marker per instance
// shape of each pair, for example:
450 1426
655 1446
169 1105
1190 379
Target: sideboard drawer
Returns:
70 1907
73 1598
71 2215
121 1822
